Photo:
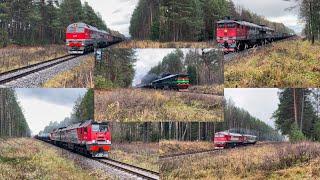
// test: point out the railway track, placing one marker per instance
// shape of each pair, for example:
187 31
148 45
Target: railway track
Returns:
137 171
124 167
170 156
18 73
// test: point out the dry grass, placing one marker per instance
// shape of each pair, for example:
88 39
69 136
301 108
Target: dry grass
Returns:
14 57
285 64
156 44
272 161
134 105
78 77
177 147
25 158
208 89
144 155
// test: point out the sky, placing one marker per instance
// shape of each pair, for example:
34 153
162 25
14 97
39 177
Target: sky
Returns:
148 58
274 10
260 103
116 13
41 106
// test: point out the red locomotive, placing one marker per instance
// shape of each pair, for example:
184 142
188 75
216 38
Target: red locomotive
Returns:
89 137
82 38
235 35
226 139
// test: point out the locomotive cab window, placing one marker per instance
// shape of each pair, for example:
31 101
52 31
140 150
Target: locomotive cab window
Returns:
99 128
220 25
231 25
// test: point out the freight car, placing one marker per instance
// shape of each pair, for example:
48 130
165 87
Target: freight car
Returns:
234 35
90 138
226 139
82 38
173 81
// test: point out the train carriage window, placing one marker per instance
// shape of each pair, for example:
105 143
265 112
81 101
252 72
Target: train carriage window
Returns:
231 25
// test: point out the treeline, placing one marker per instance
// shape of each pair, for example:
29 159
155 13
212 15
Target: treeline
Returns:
33 22
298 114
116 69
12 120
83 110
144 23
310 14
131 132
188 20
204 67
238 119
188 131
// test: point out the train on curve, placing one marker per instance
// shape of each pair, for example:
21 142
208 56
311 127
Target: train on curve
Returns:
226 139
168 82
82 38
89 138
234 35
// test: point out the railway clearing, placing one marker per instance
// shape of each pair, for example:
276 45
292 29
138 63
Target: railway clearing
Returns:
118 169
293 63
270 160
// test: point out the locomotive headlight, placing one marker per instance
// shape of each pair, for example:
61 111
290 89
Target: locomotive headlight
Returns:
82 44
93 141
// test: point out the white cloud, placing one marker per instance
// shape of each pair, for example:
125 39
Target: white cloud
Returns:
39 113
116 13
273 10
40 105
259 102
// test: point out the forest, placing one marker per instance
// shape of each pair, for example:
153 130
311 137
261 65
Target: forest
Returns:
83 110
116 69
298 114
145 132
188 20
309 13
34 22
12 120
235 119
204 67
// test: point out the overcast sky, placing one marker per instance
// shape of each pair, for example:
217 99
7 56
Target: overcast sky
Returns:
260 103
116 13
274 10
41 106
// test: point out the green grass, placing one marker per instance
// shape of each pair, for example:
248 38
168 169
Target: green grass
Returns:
285 64
25 158
268 161
16 56
144 155
135 105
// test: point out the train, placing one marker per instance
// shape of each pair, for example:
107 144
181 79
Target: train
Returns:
89 138
82 38
168 82
227 139
235 35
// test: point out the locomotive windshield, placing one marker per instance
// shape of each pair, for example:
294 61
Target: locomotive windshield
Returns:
231 25
99 128
75 28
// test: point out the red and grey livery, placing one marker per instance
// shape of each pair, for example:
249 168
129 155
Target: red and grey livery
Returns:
233 35
82 38
227 139
89 137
